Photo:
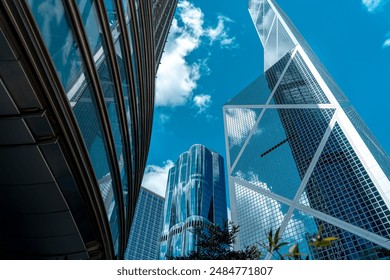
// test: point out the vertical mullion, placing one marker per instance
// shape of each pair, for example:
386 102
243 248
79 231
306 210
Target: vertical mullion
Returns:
77 23
141 88
146 16
122 114
132 98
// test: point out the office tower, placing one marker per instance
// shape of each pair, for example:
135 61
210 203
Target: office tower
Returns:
146 228
76 105
299 156
195 196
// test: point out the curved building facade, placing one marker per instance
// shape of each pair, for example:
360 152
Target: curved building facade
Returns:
195 196
306 160
77 100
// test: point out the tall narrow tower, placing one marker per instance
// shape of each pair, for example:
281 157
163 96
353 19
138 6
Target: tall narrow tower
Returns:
146 228
195 196
299 157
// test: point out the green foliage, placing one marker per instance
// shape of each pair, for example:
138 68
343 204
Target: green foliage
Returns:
294 254
320 241
215 242
274 242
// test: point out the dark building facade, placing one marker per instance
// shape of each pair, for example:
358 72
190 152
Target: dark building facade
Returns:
307 162
195 196
77 81
145 233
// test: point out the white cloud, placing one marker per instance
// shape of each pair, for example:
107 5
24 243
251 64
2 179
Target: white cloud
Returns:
164 118
155 177
220 33
386 43
202 101
239 124
176 77
373 5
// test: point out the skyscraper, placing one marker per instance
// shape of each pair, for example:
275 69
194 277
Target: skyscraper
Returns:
76 105
146 228
299 157
195 196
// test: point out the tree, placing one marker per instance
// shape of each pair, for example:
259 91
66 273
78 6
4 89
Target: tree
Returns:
215 242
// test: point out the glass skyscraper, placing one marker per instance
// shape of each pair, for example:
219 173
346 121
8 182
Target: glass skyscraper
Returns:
195 196
76 107
299 157
146 228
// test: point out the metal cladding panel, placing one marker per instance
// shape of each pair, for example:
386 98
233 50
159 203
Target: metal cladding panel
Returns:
32 198
39 126
18 84
15 132
6 51
43 225
7 105
59 247
26 160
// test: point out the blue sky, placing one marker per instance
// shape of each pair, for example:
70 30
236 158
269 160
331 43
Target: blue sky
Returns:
213 52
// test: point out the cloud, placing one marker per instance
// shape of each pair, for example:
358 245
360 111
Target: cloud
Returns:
220 33
386 43
177 78
239 124
155 177
373 5
202 101
164 118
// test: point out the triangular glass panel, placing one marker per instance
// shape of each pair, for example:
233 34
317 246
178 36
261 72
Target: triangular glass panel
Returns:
369 139
278 44
256 213
283 146
320 240
239 124
285 43
257 93
264 20
274 73
298 85
270 46
341 187
255 9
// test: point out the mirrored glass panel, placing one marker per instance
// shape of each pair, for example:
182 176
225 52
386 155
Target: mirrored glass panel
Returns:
58 35
341 187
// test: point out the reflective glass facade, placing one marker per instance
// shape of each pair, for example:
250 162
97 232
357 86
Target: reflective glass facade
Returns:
195 195
146 228
299 157
92 65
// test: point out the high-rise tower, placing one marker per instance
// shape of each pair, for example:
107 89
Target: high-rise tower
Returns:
77 83
195 196
146 228
299 157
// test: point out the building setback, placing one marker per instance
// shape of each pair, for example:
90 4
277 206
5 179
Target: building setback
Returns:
146 228
77 82
299 156
195 196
